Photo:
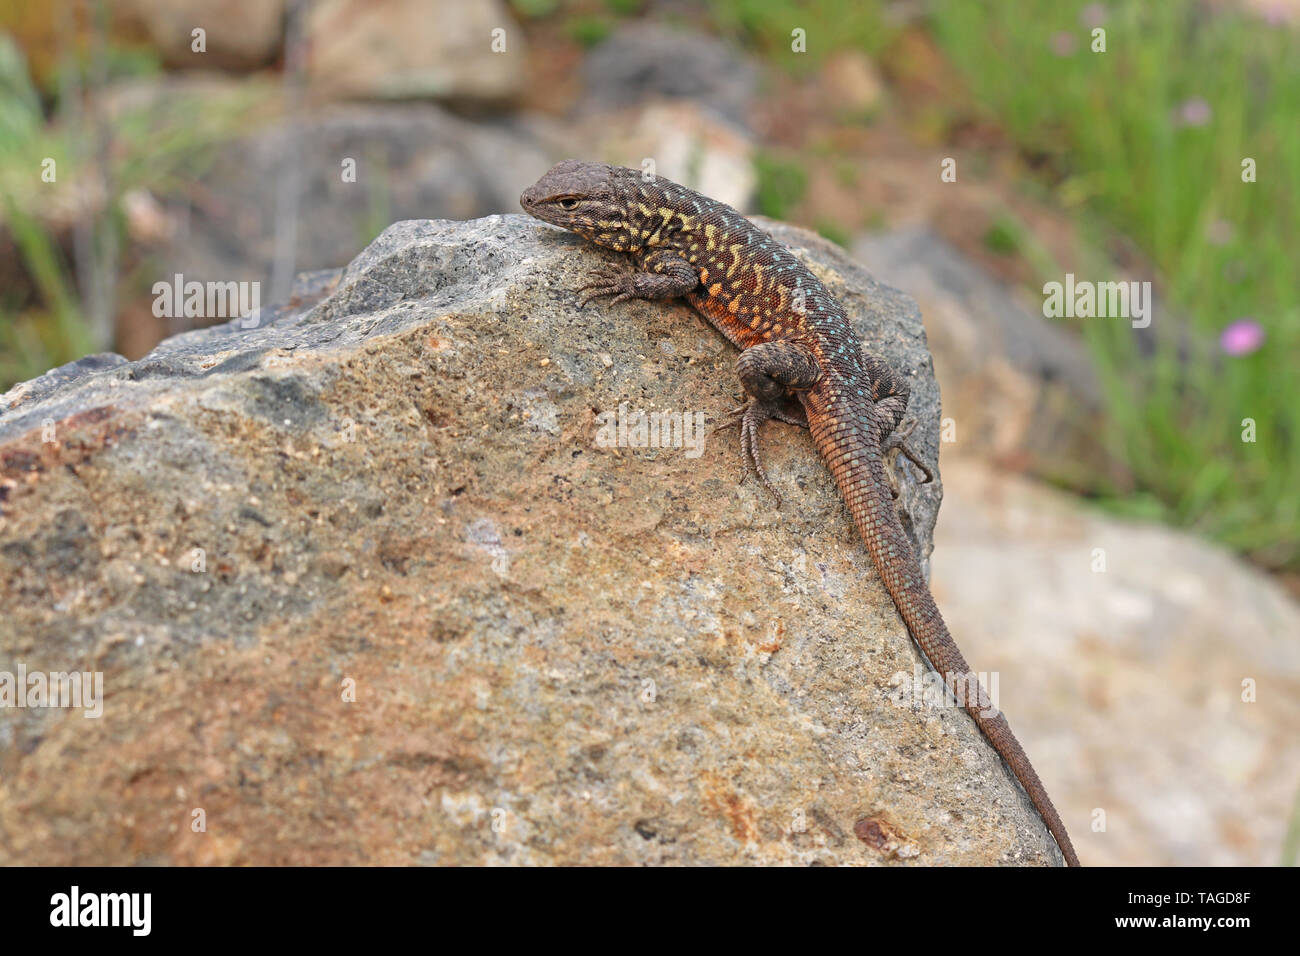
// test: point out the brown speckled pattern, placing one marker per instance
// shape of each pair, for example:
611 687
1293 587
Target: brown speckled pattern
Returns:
755 290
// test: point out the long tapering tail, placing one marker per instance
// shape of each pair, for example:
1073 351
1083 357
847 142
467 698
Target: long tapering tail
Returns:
852 450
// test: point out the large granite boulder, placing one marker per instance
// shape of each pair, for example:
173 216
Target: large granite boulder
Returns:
381 580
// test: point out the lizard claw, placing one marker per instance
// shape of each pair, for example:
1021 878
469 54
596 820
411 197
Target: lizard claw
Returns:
750 416
897 442
773 412
733 417
607 280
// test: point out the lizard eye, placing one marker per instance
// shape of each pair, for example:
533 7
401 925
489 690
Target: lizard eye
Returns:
568 202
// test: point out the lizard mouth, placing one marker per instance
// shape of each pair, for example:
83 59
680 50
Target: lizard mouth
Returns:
531 200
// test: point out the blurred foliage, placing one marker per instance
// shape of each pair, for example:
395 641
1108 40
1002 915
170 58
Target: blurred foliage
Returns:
1145 139
1291 842
780 184
588 31
836 233
157 143
1003 238
827 26
55 334
1149 137
534 9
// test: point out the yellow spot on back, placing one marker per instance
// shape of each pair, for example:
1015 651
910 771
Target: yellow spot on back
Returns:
735 260
716 288
734 305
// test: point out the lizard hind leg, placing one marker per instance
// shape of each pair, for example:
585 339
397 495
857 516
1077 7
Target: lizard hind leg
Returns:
897 444
889 391
769 372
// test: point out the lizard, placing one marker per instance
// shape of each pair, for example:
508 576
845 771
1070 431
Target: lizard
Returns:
801 363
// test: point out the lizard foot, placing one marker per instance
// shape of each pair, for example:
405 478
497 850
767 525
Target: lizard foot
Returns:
750 416
897 443
607 280
774 412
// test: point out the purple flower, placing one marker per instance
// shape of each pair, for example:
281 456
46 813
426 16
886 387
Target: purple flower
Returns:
1093 15
1242 337
1063 44
1195 112
1275 14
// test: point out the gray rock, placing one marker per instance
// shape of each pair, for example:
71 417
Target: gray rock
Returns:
412 160
1019 389
365 587
642 61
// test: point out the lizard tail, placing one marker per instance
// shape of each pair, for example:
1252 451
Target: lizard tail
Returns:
854 456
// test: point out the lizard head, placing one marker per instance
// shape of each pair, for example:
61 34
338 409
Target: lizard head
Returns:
591 199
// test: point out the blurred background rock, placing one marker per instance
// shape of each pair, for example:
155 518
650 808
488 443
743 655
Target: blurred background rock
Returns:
222 156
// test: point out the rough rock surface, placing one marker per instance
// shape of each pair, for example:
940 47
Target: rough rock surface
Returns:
364 588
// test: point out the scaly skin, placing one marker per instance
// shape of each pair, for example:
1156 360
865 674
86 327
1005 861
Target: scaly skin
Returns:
801 362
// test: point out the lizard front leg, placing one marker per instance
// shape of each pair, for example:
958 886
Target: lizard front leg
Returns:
768 372
662 274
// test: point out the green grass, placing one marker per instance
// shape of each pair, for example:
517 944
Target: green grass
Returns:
1003 237
1108 126
161 147
827 26
780 184
834 231
588 31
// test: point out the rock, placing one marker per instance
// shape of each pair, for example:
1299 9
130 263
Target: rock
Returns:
364 587
410 160
686 141
852 82
643 61
1164 683
1018 389
238 34
426 49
